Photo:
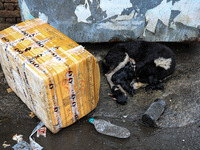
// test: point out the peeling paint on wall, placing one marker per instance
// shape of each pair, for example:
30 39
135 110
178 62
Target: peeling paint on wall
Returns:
83 12
124 17
114 7
189 14
106 5
161 12
122 22
105 20
25 13
43 17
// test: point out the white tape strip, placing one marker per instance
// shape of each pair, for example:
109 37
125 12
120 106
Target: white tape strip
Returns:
34 145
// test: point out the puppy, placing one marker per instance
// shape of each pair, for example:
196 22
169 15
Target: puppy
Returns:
128 66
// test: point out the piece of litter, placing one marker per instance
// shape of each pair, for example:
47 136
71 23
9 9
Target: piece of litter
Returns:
32 115
5 145
42 131
125 116
153 113
17 138
107 128
22 145
183 140
9 90
123 120
34 145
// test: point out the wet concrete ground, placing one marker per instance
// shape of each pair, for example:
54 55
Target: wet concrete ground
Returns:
179 126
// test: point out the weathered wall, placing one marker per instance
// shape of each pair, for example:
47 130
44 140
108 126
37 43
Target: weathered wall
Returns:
9 13
107 20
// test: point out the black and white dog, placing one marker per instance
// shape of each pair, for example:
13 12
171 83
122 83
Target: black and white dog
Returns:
128 66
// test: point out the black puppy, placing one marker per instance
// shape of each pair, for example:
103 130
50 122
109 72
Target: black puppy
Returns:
124 77
127 66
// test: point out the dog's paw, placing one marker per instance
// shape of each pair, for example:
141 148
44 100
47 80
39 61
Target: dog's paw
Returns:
131 92
148 87
157 86
120 97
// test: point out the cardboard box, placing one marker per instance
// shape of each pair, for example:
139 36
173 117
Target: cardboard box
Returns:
53 75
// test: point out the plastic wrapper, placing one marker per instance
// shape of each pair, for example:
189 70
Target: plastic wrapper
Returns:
53 75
